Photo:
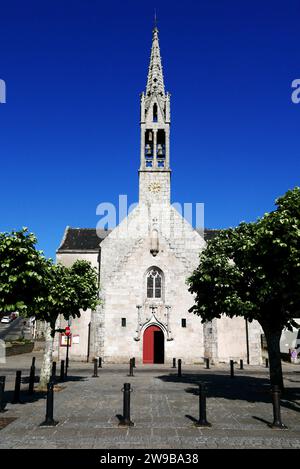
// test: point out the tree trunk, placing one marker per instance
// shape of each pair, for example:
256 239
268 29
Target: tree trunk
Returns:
47 360
273 341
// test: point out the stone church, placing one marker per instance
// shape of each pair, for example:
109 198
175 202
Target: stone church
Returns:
143 265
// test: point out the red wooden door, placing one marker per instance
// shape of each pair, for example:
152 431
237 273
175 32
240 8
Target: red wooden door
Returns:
148 344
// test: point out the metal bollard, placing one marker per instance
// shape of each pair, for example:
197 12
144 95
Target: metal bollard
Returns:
126 422
207 363
62 370
53 372
100 362
179 368
95 375
133 362
33 361
277 423
267 363
16 398
2 387
241 365
130 367
49 421
231 369
202 422
31 379
174 363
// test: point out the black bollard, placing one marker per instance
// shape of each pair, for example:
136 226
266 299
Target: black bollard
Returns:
100 363
31 379
174 363
126 422
95 375
207 363
53 373
267 363
2 387
130 367
33 361
241 365
16 398
133 362
277 423
62 370
179 368
202 422
231 369
49 421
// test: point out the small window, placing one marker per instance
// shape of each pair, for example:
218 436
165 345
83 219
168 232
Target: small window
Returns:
123 322
183 322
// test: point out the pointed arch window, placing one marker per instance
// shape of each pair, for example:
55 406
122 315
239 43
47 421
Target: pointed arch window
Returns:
154 112
154 283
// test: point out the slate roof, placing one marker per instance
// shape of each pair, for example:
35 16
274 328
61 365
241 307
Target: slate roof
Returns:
89 239
82 239
209 233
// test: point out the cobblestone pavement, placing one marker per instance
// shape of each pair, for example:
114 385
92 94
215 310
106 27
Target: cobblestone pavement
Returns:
163 408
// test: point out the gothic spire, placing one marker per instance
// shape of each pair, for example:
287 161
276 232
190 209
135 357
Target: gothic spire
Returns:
155 82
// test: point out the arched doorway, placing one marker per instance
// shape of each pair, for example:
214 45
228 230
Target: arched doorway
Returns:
153 345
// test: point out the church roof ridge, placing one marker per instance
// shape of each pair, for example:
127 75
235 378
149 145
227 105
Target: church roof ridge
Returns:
89 239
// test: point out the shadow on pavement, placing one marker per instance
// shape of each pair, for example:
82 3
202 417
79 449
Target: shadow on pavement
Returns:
190 417
245 388
26 398
261 420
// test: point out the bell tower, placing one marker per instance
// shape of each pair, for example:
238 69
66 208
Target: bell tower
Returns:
154 172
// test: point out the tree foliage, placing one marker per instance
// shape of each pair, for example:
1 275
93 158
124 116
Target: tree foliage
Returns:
22 270
253 270
70 289
33 285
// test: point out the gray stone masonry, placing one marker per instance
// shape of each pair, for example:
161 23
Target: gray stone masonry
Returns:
162 407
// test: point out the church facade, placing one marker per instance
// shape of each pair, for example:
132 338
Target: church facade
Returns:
143 265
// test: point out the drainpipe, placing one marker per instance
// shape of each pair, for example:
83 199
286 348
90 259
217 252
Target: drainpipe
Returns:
89 338
99 263
247 342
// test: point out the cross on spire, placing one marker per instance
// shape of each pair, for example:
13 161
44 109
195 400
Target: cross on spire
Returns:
155 18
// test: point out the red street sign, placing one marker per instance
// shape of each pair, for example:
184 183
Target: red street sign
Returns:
67 331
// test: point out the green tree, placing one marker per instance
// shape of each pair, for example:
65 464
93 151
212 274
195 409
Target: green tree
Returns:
254 271
22 269
70 290
34 286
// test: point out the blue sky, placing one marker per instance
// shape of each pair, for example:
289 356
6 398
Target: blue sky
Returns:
69 131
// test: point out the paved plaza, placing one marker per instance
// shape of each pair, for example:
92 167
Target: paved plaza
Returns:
163 408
